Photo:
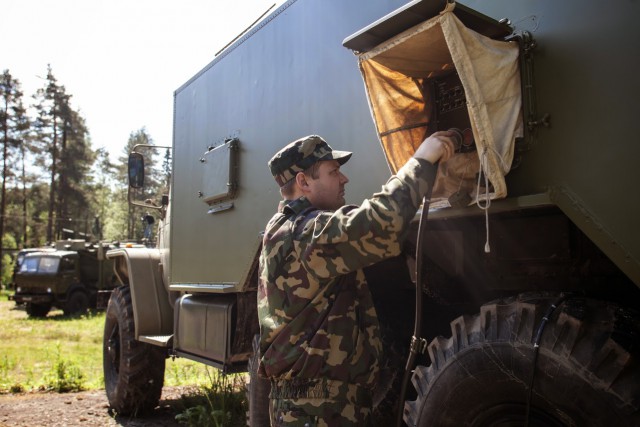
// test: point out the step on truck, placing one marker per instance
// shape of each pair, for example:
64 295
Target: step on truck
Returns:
68 275
515 301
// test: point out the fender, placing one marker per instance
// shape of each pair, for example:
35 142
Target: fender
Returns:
139 268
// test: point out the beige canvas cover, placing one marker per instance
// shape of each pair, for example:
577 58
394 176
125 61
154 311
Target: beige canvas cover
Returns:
395 73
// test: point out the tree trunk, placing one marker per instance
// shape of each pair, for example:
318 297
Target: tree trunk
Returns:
5 128
62 213
52 188
24 199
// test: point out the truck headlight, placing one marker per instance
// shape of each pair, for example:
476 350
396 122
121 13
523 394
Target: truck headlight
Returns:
18 289
48 290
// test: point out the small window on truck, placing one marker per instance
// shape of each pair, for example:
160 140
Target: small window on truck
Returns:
48 265
67 264
220 175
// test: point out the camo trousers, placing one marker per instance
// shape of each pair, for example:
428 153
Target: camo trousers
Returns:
319 403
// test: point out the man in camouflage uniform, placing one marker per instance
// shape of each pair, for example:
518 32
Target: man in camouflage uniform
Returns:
319 336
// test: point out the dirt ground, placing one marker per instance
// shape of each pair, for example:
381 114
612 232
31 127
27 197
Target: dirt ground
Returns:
88 408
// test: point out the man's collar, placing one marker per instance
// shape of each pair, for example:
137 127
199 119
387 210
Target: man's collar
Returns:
294 207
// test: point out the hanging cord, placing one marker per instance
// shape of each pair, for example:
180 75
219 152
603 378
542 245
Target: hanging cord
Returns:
487 197
418 345
536 347
484 170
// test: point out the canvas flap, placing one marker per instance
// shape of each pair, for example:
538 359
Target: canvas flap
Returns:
397 76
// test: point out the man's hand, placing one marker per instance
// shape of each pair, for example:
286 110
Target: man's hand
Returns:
438 147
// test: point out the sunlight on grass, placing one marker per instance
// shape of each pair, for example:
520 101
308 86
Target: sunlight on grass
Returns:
52 352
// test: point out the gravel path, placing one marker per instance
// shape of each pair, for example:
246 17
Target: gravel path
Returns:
87 408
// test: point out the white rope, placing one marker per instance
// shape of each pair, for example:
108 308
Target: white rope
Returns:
487 198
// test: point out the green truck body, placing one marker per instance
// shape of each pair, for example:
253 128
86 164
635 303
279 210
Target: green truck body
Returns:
526 304
67 276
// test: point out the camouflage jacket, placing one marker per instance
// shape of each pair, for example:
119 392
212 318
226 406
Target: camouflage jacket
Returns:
316 313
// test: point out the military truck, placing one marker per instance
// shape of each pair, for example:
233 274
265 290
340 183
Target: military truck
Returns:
67 276
516 299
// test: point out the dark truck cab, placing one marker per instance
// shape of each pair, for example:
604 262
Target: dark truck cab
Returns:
67 277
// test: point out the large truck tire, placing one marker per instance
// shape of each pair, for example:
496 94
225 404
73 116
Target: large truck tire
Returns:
37 310
133 370
77 303
257 391
586 373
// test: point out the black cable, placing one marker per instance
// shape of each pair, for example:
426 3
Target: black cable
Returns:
416 342
536 347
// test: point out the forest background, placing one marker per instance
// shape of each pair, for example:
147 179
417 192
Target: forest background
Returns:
55 185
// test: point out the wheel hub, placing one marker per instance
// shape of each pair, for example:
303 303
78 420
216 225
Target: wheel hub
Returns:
113 349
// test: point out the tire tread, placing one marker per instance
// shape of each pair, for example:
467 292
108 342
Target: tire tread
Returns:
580 336
136 388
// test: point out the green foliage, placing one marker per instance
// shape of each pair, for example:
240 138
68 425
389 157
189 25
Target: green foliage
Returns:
65 376
221 403
7 261
46 354
54 178
40 353
6 366
62 136
7 269
13 125
154 182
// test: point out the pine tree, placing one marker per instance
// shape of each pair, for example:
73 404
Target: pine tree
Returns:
47 124
166 168
24 147
101 195
14 125
76 159
62 134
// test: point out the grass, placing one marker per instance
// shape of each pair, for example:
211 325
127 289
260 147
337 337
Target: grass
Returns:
64 354
59 353
220 403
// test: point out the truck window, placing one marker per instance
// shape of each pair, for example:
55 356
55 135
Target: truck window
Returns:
30 265
42 265
48 265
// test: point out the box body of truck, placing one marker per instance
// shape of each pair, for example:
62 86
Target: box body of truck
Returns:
556 223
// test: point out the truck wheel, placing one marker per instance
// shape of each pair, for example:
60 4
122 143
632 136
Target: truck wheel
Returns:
586 373
37 310
133 370
257 391
78 303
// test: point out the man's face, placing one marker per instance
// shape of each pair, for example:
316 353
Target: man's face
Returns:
327 191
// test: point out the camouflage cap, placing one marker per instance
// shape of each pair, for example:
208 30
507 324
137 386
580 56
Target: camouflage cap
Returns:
301 155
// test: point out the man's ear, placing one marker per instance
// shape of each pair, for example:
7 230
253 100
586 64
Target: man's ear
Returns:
301 180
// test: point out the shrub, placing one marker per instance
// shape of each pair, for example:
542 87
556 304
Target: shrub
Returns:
221 403
64 376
